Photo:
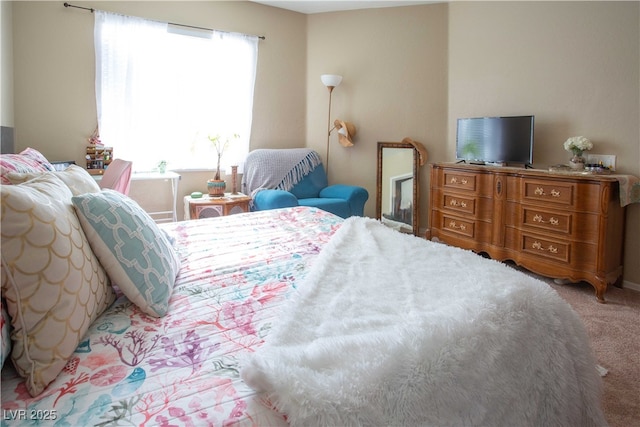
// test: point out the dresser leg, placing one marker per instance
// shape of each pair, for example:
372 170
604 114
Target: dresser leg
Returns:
601 288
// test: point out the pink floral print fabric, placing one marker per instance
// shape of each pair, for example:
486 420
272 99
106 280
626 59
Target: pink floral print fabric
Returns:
183 369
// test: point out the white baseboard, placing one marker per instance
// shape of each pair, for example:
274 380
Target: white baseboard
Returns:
630 285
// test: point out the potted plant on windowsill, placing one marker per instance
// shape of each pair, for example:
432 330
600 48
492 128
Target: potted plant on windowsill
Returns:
217 185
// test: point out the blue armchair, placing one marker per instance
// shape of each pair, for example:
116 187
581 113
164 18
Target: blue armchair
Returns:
279 178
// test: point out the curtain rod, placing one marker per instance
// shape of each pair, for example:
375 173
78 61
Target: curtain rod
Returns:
90 9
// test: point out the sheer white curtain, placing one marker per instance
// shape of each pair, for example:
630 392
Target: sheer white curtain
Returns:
161 91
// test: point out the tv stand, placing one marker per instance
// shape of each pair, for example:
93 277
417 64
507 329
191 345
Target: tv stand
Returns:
472 162
493 164
561 226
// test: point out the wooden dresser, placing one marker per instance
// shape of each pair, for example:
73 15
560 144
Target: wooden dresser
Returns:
564 226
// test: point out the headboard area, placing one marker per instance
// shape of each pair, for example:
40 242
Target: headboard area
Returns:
28 160
6 140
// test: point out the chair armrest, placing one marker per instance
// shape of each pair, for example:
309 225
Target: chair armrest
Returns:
273 199
342 191
356 196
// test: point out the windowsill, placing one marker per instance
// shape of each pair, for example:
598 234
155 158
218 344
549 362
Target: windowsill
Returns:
176 170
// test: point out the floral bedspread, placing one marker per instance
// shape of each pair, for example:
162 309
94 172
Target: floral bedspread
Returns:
183 369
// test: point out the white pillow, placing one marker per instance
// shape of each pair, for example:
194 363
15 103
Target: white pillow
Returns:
77 179
131 247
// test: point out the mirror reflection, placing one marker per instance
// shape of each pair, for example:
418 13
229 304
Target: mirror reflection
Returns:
398 184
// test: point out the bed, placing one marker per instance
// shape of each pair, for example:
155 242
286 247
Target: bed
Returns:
297 317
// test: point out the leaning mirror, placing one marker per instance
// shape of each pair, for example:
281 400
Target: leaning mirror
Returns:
398 184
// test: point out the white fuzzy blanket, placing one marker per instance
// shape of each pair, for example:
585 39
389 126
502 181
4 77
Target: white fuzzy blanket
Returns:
390 329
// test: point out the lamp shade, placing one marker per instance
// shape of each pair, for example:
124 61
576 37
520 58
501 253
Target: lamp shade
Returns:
331 80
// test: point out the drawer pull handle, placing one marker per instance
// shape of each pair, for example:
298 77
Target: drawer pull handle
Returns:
455 226
540 219
540 192
457 204
537 245
454 180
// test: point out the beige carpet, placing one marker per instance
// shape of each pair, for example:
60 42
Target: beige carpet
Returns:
614 329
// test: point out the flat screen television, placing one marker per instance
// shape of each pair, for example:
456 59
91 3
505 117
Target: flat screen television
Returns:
495 140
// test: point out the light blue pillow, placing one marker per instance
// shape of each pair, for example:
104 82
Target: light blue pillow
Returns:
132 249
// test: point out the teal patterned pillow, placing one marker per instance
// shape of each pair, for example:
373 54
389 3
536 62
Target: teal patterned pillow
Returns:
131 247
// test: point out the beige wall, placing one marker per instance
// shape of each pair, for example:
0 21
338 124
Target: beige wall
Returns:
408 71
572 64
575 65
54 75
394 67
412 71
6 59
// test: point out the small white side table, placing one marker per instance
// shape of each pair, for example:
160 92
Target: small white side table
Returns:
171 177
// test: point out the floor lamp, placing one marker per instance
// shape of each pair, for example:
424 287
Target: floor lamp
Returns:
330 81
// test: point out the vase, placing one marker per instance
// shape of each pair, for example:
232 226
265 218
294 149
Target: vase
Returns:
216 187
234 179
577 162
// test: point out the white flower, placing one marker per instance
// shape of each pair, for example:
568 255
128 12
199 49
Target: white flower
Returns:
578 143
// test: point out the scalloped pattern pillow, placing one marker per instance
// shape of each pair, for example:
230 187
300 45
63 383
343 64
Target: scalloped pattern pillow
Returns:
53 284
133 250
29 160
77 179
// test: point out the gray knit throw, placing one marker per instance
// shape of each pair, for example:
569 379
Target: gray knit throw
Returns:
278 169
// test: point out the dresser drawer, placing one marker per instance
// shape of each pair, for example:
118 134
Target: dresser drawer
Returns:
550 221
454 202
462 227
559 193
548 248
582 196
565 224
458 226
558 253
460 181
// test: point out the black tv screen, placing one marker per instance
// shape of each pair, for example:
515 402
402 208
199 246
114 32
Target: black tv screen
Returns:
495 140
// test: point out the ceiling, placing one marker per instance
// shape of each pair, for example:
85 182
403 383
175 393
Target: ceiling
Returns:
320 6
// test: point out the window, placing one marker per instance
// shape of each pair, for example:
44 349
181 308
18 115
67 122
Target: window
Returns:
162 90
